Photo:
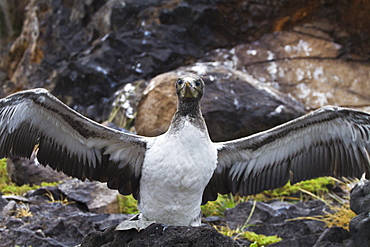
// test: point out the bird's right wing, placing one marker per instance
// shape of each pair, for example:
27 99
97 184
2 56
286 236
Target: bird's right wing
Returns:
331 141
34 120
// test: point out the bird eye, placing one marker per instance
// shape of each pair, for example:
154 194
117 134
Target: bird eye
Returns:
180 82
197 83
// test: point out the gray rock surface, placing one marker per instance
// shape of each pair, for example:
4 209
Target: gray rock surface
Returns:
95 195
51 223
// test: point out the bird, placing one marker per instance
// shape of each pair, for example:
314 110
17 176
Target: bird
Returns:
172 174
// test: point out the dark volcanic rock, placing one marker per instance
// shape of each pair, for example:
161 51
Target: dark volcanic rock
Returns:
54 224
46 218
45 193
272 219
301 241
360 197
359 228
25 171
159 235
84 50
8 208
335 236
26 237
3 202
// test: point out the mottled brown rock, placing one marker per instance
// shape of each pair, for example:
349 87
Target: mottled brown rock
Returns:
306 67
157 106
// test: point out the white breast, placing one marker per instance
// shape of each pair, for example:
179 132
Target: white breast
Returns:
175 172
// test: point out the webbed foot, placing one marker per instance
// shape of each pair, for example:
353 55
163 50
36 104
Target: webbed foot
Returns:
134 223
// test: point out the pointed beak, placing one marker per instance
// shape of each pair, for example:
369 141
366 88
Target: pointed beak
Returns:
188 91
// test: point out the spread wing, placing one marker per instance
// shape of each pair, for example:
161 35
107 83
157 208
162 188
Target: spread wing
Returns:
331 141
34 120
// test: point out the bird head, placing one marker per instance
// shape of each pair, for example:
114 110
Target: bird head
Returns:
189 86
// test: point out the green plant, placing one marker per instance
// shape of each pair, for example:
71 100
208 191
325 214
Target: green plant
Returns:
4 179
223 202
257 239
340 212
317 186
127 204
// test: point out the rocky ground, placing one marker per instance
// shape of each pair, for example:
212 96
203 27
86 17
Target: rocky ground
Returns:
36 220
264 63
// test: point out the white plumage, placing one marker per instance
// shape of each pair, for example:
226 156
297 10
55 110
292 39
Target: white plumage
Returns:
171 187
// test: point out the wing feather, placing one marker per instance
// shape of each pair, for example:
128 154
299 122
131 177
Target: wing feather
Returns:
69 142
331 141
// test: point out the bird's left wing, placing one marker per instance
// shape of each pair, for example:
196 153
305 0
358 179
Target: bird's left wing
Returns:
331 141
34 120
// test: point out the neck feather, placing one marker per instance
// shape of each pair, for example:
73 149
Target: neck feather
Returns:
188 110
189 107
